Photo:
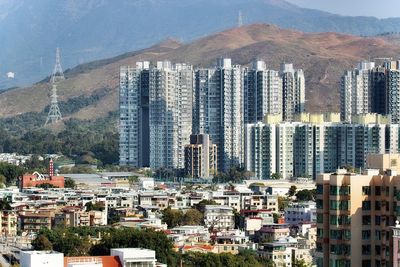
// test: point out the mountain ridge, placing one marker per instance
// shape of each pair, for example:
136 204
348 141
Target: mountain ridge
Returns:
323 56
92 29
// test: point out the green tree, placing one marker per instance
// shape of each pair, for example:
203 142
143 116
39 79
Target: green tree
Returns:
276 176
97 206
193 217
11 172
4 204
172 217
292 191
133 180
69 183
3 180
306 195
282 203
201 206
42 243
300 263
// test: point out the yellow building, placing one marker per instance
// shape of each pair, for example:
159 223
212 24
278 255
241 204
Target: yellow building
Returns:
355 213
8 223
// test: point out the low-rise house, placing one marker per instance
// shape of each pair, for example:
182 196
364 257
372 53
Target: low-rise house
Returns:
33 221
8 223
219 217
301 212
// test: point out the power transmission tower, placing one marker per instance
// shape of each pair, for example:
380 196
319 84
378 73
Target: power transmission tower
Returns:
240 19
54 114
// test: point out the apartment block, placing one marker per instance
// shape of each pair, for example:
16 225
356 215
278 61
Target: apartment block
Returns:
33 221
316 145
293 84
219 217
262 92
155 114
355 215
218 110
170 90
134 132
201 157
356 91
8 223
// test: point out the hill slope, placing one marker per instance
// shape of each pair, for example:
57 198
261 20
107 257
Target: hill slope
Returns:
91 90
92 29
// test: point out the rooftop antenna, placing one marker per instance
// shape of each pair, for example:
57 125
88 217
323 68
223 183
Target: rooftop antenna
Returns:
54 114
240 19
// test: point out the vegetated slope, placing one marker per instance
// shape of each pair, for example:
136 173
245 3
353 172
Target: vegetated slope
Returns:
92 29
91 90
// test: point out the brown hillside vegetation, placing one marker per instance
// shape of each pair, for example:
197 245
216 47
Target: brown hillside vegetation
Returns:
323 56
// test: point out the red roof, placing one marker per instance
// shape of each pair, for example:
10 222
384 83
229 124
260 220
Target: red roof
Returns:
108 261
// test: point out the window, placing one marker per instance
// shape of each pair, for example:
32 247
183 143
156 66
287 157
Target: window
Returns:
377 205
366 250
377 220
377 190
320 189
366 190
378 250
366 234
366 220
366 205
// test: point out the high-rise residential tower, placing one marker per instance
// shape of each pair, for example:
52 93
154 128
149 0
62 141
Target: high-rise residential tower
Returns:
155 114
355 215
170 104
355 93
293 85
218 110
134 145
262 92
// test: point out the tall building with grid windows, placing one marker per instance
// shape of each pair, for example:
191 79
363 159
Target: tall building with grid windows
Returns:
316 143
356 214
218 110
155 114
262 92
170 105
134 145
293 85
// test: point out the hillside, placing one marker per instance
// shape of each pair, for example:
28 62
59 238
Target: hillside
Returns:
94 29
91 90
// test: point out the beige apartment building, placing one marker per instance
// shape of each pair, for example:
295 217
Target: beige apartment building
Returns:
8 223
356 212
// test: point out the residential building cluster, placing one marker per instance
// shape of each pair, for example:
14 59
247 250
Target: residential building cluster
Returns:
257 225
162 105
316 143
119 257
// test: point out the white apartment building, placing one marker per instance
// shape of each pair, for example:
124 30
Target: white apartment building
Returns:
262 92
355 91
134 115
170 96
155 114
293 84
219 217
305 149
301 212
218 110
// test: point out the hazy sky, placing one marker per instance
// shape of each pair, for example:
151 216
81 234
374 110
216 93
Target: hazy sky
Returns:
376 8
